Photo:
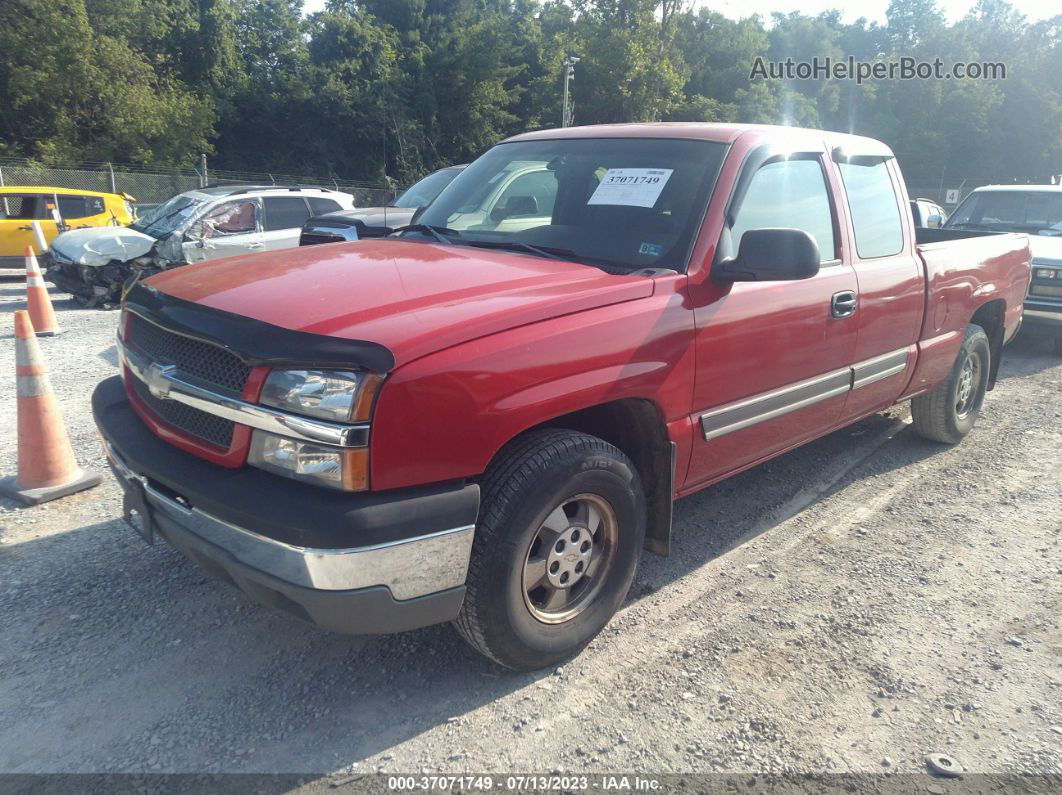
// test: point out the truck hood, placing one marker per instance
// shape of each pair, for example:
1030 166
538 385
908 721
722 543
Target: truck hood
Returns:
97 246
412 298
1046 249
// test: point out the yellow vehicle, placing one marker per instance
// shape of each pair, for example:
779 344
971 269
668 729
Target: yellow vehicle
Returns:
56 210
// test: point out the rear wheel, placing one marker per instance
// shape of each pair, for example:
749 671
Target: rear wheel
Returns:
560 533
949 412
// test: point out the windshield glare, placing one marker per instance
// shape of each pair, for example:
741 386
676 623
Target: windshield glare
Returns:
423 192
167 217
1036 211
625 202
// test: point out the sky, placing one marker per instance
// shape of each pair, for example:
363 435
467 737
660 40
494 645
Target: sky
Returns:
871 9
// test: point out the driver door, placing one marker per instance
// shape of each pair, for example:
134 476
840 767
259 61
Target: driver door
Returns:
229 228
773 357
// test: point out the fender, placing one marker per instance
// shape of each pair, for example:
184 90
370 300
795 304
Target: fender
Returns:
444 416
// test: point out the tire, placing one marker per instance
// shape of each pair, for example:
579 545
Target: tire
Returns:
523 627
949 412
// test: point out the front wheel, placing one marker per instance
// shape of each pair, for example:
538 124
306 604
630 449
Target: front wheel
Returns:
949 412
560 533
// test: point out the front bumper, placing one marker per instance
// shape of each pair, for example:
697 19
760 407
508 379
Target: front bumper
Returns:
353 563
73 283
1042 314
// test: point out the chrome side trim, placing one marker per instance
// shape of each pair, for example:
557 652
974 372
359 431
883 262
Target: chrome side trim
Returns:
750 411
409 568
166 384
881 367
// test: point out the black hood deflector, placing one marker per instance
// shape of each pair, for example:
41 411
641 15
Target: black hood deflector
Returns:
254 341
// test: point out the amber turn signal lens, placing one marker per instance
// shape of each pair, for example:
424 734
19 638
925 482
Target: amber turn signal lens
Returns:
370 384
355 469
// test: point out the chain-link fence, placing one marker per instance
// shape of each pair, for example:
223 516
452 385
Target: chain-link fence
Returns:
149 186
929 179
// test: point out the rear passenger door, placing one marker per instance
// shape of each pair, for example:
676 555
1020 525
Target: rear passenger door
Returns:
773 357
891 282
282 220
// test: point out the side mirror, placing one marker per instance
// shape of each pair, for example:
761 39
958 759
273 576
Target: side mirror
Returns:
515 205
767 255
934 221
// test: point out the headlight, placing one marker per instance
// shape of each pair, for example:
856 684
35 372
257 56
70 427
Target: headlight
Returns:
334 395
336 467
327 394
1046 273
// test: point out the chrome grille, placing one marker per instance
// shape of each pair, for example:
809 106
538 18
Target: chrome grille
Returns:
207 427
210 364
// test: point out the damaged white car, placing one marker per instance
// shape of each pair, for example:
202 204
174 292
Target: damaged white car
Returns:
209 223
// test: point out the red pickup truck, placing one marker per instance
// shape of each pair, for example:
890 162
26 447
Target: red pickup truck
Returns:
486 417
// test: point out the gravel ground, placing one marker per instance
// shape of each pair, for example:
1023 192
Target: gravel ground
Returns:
849 607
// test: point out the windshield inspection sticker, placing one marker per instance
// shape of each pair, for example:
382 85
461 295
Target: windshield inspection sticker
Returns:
632 187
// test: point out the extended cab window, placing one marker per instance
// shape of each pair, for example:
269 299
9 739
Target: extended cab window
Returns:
873 206
284 212
791 194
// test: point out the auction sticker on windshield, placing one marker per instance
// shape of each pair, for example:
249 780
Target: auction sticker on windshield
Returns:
633 187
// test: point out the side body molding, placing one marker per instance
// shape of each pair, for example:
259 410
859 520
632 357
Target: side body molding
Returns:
760 408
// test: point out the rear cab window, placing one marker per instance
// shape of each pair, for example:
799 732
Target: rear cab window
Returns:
873 206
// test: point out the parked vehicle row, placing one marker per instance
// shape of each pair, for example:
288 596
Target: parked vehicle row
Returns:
1035 210
55 210
927 213
485 417
199 225
366 222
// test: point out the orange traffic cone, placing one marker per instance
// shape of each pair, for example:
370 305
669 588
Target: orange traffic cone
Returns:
46 466
37 298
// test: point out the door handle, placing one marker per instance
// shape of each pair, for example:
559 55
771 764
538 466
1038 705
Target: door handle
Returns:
255 245
25 228
843 304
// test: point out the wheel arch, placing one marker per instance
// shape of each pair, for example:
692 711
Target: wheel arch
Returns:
635 426
991 317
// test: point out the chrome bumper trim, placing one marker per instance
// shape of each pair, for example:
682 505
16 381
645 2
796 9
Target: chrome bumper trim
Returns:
166 384
409 568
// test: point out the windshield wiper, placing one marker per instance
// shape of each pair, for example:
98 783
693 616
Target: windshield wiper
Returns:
440 233
518 245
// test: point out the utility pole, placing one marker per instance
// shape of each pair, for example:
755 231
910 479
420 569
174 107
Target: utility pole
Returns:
568 106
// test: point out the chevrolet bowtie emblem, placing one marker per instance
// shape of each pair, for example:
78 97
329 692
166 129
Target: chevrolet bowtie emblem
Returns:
157 377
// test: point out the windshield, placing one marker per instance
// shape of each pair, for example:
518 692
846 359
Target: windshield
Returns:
619 203
163 220
423 192
1033 211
